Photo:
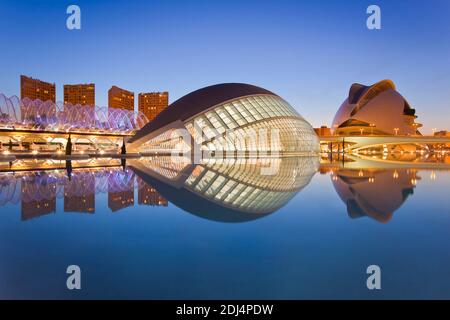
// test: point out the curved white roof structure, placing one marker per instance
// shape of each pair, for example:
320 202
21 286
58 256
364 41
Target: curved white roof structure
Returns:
375 109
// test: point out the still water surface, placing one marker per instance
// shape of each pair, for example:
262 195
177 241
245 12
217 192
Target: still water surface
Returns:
156 229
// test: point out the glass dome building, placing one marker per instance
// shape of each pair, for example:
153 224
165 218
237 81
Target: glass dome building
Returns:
232 117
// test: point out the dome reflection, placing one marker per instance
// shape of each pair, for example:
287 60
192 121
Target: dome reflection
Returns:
228 190
376 194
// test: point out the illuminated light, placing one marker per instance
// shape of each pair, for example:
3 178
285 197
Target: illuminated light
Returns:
34 152
49 120
433 175
6 152
395 175
102 151
371 180
360 173
413 181
59 152
82 151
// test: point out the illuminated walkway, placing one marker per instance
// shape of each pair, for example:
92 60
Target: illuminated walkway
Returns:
363 162
46 125
37 115
354 143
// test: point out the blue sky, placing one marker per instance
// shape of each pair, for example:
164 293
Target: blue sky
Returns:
308 52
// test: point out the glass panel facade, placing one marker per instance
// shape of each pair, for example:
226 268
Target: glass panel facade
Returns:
260 123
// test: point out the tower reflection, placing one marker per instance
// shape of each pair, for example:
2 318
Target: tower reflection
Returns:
79 194
38 192
38 196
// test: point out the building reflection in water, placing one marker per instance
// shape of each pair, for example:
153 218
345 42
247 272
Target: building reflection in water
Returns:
374 193
37 191
227 190
38 195
231 190
149 196
120 189
79 194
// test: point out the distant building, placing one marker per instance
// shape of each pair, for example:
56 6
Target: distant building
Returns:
152 103
148 196
323 131
442 133
120 98
377 109
83 94
37 89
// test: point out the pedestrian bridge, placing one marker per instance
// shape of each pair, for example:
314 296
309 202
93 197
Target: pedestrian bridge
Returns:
354 143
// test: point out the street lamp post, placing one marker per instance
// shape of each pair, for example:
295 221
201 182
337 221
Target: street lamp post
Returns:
361 130
396 131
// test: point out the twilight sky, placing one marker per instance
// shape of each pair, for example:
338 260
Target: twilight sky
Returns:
308 52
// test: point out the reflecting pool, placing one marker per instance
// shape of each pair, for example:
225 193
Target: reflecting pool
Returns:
272 228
